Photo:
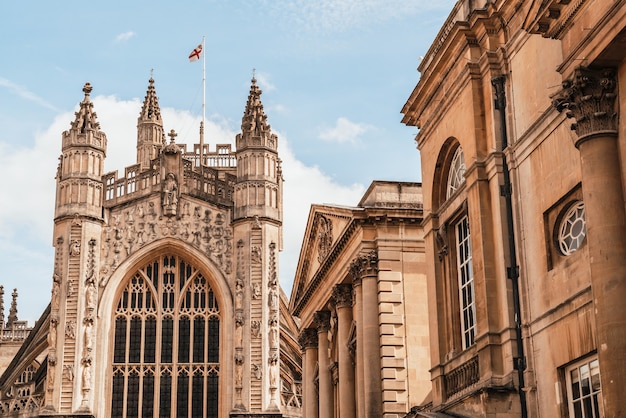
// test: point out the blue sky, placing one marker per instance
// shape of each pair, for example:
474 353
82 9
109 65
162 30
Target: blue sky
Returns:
334 75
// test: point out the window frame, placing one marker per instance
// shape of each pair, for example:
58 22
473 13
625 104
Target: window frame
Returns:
578 365
463 245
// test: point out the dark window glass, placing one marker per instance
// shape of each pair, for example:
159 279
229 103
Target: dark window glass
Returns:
182 396
183 340
197 393
119 351
198 340
165 403
134 344
147 405
150 340
132 397
117 400
214 340
167 339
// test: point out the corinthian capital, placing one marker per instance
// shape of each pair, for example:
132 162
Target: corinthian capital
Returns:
342 295
321 319
308 338
364 265
589 98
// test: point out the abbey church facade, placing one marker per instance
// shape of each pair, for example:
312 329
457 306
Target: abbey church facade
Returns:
165 294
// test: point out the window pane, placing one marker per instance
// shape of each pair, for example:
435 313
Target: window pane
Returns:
183 340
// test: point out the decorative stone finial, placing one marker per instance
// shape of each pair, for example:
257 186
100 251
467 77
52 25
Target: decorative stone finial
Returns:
13 310
87 89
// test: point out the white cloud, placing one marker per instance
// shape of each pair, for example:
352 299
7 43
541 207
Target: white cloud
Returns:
26 94
26 215
123 37
344 131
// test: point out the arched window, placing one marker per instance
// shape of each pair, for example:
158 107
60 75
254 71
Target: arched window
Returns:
166 343
456 175
572 229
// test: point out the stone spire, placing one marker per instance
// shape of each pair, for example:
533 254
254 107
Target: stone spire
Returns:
13 311
150 135
254 127
86 117
1 307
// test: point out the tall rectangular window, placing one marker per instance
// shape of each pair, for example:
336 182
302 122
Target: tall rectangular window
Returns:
584 394
466 282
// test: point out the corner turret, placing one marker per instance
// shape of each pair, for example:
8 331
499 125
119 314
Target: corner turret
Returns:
81 164
259 176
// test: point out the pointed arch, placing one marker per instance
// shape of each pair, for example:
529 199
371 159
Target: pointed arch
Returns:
166 312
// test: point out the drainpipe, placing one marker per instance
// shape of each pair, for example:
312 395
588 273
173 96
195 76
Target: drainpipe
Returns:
519 362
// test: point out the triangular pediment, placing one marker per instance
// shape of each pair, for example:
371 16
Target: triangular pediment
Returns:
326 226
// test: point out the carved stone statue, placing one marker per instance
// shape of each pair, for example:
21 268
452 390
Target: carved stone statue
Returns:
170 195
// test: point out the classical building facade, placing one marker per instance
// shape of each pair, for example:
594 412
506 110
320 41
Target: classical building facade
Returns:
165 294
360 295
518 110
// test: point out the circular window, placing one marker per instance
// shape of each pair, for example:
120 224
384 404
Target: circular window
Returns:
572 229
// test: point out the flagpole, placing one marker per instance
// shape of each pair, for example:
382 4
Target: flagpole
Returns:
203 100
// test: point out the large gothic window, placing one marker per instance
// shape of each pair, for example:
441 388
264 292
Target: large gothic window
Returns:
166 343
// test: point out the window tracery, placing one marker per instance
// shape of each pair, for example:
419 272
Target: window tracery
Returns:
572 229
456 175
166 343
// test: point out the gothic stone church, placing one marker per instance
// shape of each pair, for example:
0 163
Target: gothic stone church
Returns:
165 294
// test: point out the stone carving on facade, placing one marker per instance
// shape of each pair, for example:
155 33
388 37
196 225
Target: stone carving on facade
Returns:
127 232
256 290
255 254
273 372
170 195
70 288
589 98
257 371
75 248
273 332
68 372
442 242
324 237
255 328
239 322
70 330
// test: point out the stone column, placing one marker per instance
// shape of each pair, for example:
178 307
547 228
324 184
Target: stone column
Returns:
357 312
365 268
308 344
589 98
342 297
326 402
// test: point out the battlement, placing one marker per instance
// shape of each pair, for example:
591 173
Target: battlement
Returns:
213 181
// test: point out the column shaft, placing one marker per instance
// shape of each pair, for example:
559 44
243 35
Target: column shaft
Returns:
346 370
371 348
606 235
